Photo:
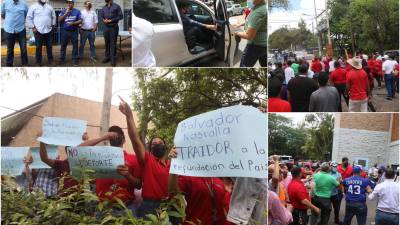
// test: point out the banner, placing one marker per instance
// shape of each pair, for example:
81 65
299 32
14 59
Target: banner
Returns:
37 163
62 131
102 159
228 142
12 160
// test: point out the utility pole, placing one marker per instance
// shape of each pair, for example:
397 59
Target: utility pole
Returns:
329 47
105 110
316 25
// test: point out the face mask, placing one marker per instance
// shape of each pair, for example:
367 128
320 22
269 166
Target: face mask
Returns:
107 1
250 4
334 170
158 150
116 142
345 164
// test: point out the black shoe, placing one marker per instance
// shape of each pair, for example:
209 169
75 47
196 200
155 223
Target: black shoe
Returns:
105 60
75 64
50 63
61 63
113 64
388 98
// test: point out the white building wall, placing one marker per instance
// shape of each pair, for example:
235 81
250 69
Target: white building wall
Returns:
355 143
393 153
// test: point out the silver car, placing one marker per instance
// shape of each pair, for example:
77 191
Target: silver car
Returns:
169 45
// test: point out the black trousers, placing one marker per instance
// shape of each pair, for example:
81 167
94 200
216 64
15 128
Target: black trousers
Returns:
341 88
324 204
335 204
110 34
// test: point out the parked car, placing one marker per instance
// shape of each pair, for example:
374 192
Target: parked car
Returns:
236 9
169 45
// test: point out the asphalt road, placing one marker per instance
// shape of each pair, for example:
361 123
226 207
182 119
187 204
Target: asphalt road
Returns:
370 217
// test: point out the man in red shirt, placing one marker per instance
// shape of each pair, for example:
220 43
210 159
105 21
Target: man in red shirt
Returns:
300 199
338 79
316 65
275 103
154 165
357 85
345 169
109 189
204 197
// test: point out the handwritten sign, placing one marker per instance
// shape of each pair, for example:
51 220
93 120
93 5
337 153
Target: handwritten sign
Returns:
12 160
37 163
62 131
228 142
102 159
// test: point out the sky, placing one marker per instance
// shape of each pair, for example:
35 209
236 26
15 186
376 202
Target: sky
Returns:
279 17
18 92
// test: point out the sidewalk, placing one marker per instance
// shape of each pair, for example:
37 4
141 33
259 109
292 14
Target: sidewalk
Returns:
125 61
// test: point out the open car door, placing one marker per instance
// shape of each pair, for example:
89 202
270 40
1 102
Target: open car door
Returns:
223 38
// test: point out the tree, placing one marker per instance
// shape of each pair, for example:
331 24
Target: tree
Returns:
164 97
296 38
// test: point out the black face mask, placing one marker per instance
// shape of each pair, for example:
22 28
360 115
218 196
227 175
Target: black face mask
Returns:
116 142
158 150
107 1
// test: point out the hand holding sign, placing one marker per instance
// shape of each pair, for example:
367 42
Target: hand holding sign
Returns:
228 142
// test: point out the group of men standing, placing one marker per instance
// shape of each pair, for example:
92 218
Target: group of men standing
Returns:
42 20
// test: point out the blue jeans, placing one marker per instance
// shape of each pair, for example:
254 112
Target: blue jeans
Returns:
384 218
67 36
147 207
252 53
87 35
11 38
389 83
47 40
357 209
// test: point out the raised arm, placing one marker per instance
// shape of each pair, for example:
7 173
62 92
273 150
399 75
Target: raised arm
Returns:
44 157
137 144
92 142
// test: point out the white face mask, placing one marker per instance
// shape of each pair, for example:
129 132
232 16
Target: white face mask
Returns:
250 4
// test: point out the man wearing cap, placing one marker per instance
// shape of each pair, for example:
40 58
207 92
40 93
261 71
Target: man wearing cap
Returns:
88 29
356 189
335 192
14 12
324 183
388 70
357 85
111 13
70 18
41 19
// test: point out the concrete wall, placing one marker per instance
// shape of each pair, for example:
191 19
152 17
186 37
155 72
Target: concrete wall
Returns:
60 105
366 121
395 128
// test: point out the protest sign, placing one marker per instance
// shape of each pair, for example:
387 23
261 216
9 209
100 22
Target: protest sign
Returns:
102 159
12 160
228 142
62 131
37 163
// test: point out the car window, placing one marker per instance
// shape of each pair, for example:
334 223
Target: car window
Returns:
196 9
155 11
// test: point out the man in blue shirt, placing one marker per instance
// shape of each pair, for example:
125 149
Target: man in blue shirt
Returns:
356 189
111 13
70 18
14 13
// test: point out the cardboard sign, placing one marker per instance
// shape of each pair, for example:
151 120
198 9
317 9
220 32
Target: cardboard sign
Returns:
12 160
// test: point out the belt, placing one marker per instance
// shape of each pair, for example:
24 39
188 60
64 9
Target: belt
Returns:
70 30
87 29
387 212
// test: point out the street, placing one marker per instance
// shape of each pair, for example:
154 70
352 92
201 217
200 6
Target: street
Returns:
370 217
124 49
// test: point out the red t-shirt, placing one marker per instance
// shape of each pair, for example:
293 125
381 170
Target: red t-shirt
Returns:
378 67
348 172
297 192
62 169
155 178
109 189
371 65
396 68
197 191
278 105
227 200
316 66
338 76
358 80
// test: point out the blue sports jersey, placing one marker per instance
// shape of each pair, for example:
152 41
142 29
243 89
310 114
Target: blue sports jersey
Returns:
355 188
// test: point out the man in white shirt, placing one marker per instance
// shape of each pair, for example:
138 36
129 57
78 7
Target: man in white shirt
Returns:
289 72
41 18
142 33
331 66
88 29
388 70
387 193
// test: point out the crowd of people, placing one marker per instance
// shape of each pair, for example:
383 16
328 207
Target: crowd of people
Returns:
147 183
74 23
319 85
302 193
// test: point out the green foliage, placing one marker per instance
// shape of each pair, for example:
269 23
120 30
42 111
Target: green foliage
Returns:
372 25
78 207
311 139
164 97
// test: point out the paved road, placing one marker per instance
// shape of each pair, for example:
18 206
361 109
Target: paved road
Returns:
370 217
379 101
